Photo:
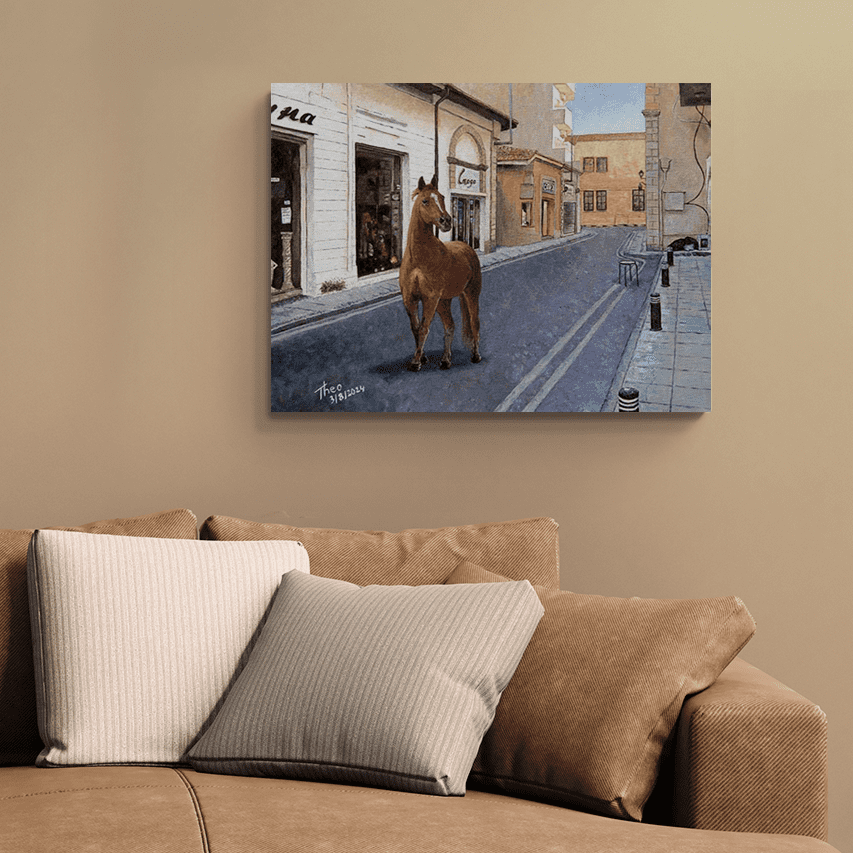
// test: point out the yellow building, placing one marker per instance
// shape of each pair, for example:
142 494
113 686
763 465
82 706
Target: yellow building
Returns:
612 178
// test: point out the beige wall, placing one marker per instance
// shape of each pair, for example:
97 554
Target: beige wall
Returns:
133 305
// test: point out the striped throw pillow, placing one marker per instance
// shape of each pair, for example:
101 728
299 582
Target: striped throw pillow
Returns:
384 686
137 639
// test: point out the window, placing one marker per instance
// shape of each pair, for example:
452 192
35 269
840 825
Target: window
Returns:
588 200
526 214
378 210
589 164
638 201
601 164
601 200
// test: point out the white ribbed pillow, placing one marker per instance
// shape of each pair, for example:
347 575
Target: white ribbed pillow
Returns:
137 639
386 686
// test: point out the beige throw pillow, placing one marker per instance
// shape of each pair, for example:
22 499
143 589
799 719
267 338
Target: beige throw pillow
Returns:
598 691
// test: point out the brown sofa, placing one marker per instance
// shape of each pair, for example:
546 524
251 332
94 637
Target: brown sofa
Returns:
743 769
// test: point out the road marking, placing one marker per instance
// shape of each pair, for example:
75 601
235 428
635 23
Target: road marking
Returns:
561 371
555 351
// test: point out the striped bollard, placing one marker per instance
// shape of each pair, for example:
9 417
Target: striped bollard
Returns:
654 310
629 400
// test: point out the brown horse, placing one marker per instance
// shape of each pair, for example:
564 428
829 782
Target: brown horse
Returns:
433 272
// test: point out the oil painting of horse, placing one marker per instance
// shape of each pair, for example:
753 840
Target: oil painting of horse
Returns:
433 272
565 232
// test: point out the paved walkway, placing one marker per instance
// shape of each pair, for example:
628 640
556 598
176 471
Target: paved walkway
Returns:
671 368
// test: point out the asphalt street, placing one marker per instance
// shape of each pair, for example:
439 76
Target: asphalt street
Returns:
554 328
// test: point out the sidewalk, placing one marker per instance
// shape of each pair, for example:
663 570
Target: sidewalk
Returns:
291 313
671 368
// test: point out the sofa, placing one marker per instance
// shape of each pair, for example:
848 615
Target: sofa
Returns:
264 687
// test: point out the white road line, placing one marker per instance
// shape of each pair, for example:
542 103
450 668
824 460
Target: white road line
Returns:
553 353
561 371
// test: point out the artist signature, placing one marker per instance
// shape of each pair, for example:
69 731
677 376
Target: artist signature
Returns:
333 394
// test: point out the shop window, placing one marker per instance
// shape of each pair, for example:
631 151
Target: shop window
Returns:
638 201
526 214
466 220
378 210
588 200
601 200
589 164
601 164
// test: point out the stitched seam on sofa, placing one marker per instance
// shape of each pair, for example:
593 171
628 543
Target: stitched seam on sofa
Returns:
305 763
81 790
202 829
691 675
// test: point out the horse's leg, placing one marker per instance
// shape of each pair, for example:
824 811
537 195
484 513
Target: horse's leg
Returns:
412 309
471 323
430 305
446 314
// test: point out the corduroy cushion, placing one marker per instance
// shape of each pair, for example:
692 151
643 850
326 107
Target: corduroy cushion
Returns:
19 737
136 640
384 686
520 550
598 691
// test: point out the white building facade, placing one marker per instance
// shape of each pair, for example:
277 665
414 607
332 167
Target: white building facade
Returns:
344 161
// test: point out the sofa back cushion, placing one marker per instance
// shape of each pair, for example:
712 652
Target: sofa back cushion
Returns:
596 695
137 640
19 736
519 550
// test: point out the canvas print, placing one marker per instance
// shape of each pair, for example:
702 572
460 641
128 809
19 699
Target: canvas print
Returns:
490 247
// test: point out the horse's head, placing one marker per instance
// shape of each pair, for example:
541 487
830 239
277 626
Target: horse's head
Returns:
429 205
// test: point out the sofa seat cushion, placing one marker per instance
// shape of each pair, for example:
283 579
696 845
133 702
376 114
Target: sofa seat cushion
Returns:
171 809
526 549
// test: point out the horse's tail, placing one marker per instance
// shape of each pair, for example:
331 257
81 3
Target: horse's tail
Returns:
471 325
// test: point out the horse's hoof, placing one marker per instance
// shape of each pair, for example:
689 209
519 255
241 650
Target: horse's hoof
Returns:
477 358
414 366
445 365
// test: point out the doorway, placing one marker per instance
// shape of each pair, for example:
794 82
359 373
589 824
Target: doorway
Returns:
465 212
285 218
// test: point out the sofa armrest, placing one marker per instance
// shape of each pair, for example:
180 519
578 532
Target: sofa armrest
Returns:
751 756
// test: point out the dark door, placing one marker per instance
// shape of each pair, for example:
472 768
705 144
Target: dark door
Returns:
285 215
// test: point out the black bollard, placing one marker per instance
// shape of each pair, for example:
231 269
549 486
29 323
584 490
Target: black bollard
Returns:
654 310
670 257
664 277
629 400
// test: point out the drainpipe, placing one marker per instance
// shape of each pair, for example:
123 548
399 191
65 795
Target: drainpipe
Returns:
444 95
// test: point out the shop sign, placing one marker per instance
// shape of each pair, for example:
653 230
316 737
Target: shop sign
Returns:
467 179
549 185
280 113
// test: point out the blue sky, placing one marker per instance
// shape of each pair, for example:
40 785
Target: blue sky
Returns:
608 108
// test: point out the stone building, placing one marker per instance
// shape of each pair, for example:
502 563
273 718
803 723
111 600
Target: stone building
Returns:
678 163
344 160
611 184
540 143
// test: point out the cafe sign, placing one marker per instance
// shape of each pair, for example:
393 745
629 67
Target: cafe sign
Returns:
467 178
